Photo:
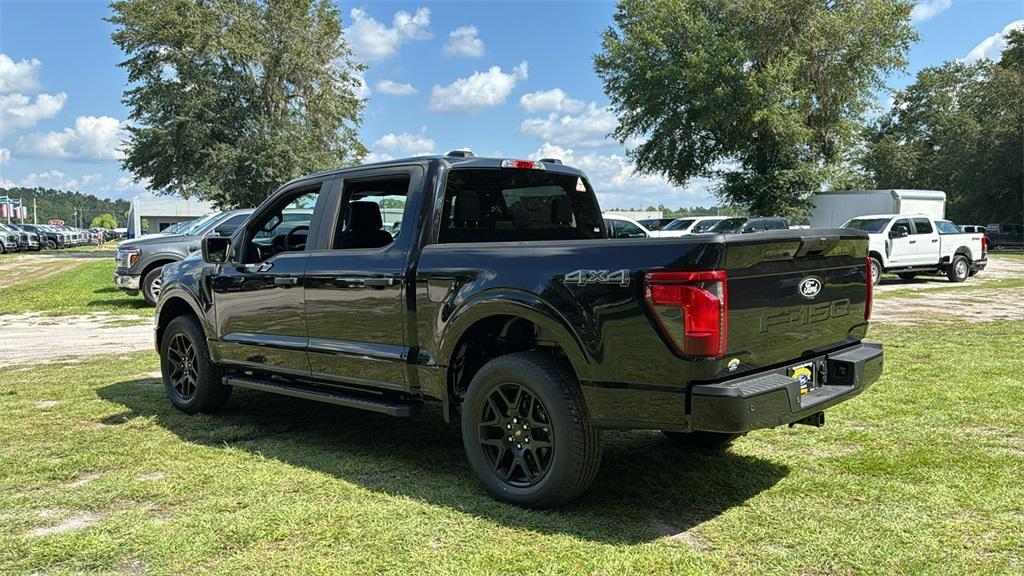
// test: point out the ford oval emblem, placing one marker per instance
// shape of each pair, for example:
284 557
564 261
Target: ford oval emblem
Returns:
809 287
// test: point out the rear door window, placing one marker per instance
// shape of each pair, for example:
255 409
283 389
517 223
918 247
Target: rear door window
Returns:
512 205
922 226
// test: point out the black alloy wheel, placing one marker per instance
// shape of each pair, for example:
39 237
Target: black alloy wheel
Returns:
516 435
183 371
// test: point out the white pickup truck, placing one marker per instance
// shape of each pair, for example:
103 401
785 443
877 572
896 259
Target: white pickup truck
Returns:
912 244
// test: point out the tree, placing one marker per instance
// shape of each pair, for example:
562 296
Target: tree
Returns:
105 220
958 128
229 99
766 95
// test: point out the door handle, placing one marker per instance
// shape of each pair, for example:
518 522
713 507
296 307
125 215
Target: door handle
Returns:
934 241
913 241
380 282
286 281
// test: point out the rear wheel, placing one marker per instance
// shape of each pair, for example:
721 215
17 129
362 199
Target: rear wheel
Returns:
876 271
907 275
151 284
959 269
702 440
526 431
51 245
192 382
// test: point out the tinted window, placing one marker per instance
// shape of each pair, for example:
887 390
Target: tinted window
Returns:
509 205
728 225
775 224
680 224
947 227
922 226
902 224
703 226
872 225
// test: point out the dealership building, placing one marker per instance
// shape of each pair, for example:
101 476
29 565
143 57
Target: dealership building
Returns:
152 215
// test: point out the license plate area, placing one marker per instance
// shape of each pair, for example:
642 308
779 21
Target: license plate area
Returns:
806 375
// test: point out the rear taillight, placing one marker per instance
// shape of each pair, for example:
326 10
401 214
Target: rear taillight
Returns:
984 244
691 308
869 298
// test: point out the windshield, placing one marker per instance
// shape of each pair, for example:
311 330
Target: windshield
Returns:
870 225
197 227
177 228
728 225
680 224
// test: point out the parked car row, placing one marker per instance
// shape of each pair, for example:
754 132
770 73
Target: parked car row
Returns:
35 237
623 227
139 262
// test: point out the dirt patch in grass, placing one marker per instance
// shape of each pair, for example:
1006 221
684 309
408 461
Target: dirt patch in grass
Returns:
75 522
34 268
952 307
34 338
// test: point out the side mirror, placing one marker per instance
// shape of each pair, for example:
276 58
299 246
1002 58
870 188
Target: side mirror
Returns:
226 230
898 233
215 249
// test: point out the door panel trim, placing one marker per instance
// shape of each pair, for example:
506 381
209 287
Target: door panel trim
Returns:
267 340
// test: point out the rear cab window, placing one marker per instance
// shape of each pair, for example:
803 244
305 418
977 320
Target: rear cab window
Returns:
947 227
515 205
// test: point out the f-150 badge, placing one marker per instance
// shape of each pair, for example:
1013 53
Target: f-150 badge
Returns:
588 277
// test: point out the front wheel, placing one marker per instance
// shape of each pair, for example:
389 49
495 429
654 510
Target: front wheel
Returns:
51 245
527 433
958 269
192 382
700 440
151 284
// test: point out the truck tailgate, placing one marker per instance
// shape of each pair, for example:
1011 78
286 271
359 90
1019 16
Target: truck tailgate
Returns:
793 292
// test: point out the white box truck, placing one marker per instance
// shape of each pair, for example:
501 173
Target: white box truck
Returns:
833 209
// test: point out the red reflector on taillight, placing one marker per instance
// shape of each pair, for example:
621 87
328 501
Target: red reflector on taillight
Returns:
523 164
691 308
870 296
984 244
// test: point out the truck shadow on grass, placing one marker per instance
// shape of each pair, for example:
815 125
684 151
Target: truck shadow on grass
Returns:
646 488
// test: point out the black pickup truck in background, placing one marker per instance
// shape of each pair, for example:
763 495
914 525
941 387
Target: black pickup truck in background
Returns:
501 299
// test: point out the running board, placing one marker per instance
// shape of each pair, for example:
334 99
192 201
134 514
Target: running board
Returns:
371 404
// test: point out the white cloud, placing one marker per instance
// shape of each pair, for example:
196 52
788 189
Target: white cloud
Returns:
993 46
92 138
395 88
5 156
362 89
373 40
20 111
21 76
619 186
464 41
89 183
589 128
409 144
550 101
928 9
479 91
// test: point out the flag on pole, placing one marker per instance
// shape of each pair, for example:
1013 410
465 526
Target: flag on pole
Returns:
5 209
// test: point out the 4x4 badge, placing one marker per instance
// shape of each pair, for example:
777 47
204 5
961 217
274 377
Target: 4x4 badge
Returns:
586 277
809 287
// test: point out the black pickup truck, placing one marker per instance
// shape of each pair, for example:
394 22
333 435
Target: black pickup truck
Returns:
500 298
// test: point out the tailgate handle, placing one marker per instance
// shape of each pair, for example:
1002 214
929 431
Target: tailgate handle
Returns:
810 245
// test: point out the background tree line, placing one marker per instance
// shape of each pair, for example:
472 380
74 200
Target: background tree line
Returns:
53 204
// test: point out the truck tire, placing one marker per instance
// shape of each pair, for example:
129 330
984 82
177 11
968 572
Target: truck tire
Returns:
959 269
192 382
711 441
907 275
151 284
51 245
876 271
527 432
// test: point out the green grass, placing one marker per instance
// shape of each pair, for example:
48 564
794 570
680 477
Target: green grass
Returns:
1008 255
84 288
921 474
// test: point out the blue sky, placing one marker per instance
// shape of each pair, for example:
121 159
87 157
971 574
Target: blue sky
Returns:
507 79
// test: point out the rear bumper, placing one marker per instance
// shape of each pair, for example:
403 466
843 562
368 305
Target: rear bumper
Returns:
979 265
770 399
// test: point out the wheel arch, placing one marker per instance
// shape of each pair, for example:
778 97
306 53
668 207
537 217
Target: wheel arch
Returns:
173 307
500 324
